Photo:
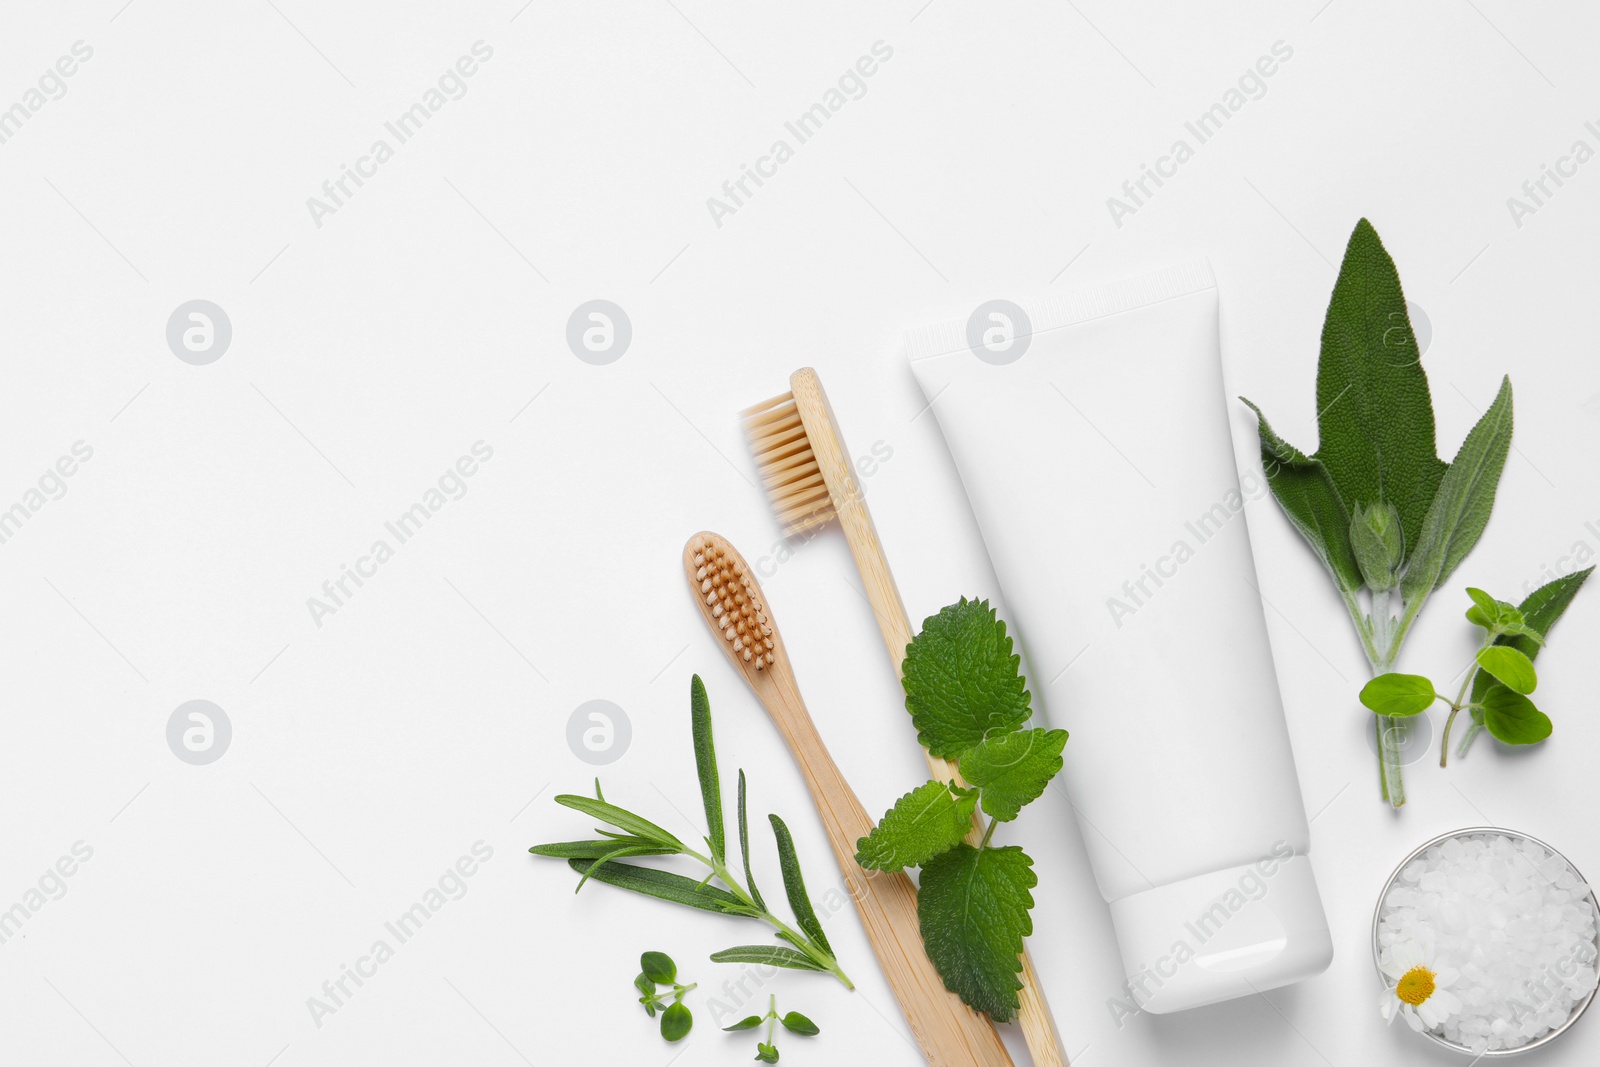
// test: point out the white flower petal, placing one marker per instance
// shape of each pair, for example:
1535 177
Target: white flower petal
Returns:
1445 1003
1388 1005
1411 1019
1429 1017
1446 978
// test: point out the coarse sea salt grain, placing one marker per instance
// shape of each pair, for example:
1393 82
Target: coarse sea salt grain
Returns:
1517 922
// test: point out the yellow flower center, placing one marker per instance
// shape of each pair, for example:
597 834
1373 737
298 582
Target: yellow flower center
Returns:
1416 986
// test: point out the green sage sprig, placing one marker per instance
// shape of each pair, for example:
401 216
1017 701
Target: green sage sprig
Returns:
1500 677
1386 516
804 945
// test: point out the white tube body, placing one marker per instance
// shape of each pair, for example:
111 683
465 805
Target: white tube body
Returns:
1101 471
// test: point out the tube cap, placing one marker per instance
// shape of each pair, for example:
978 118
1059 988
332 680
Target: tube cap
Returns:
1223 935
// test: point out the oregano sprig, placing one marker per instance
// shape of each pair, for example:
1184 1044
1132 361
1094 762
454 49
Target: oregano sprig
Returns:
969 701
805 945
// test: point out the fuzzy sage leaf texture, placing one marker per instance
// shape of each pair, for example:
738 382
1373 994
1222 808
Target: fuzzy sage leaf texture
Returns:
973 906
923 823
962 680
1012 770
1460 510
1374 411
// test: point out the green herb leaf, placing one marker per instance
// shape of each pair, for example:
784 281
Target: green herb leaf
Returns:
658 967
664 885
796 1023
1512 718
1511 666
1308 497
794 884
1398 695
593 850
973 908
962 680
676 1021
620 818
644 985
1374 411
749 1022
1459 512
1540 610
767 955
766 1053
1013 769
1378 544
705 761
923 823
615 854
744 849
1485 610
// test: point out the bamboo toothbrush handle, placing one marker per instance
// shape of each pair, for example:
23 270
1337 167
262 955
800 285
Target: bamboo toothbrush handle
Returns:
949 1033
1033 1018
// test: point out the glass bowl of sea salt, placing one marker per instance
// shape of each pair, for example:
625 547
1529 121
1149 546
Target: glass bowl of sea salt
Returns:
1508 920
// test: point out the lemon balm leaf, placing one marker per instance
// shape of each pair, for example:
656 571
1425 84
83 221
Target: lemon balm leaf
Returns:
1398 695
962 680
1013 769
973 907
1511 666
923 823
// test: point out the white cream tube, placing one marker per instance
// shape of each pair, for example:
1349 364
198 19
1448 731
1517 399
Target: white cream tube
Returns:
1091 435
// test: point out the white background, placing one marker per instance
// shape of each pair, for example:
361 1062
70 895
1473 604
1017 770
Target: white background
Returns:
428 313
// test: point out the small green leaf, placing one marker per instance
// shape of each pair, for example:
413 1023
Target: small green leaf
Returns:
794 885
962 680
705 761
676 1021
973 910
1460 510
1512 718
1398 695
615 854
1487 609
922 824
664 885
1307 495
593 850
658 967
644 985
796 1023
766 1053
1013 769
1511 666
1540 610
1379 546
1521 629
620 818
768 955
749 1022
744 849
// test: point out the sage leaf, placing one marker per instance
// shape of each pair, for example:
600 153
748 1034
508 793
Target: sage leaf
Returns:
705 761
794 885
767 956
1307 495
962 680
1511 717
1511 666
973 909
1460 510
1013 769
1398 695
1374 411
923 823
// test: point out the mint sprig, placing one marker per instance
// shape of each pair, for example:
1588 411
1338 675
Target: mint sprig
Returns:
805 945
1388 519
969 700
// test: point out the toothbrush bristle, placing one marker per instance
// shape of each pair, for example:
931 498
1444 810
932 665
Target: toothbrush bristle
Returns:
788 466
734 601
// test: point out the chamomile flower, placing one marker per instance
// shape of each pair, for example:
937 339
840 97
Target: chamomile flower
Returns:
1420 992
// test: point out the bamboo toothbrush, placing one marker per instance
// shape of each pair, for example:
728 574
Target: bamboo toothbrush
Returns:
809 479
949 1033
